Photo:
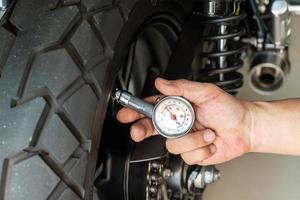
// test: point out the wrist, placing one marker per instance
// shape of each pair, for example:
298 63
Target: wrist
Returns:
273 127
255 124
276 128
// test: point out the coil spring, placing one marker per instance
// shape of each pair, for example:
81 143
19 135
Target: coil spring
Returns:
222 64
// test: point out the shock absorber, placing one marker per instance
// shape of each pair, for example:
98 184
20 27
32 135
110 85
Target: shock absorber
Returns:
220 49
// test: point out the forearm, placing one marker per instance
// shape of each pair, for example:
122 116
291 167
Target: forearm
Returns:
275 127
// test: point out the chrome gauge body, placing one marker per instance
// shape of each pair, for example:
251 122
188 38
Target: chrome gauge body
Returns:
173 116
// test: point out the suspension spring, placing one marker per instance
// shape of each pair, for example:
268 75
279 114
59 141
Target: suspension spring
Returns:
221 49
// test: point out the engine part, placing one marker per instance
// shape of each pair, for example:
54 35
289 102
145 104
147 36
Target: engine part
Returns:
223 60
3 6
294 8
281 23
155 179
270 63
281 19
172 116
267 71
262 4
199 179
182 180
178 171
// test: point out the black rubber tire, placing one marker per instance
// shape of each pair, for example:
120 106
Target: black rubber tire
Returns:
54 88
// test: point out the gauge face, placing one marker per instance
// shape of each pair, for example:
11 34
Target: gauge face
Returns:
173 117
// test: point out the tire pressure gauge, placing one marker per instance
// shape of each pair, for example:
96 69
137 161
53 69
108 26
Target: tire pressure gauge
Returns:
172 116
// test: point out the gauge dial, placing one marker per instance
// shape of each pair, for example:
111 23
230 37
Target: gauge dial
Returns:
173 117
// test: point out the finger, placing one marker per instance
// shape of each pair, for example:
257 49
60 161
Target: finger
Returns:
220 153
190 141
197 126
196 156
215 158
195 92
127 115
142 129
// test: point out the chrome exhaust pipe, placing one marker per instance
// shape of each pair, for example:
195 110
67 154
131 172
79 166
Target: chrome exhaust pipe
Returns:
267 72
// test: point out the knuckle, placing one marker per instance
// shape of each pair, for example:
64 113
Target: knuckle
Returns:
203 163
174 152
187 159
182 81
212 87
198 140
199 163
170 147
138 127
133 127
146 124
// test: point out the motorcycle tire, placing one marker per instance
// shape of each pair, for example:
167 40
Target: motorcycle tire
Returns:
57 66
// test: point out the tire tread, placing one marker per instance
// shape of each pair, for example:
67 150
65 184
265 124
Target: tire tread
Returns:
21 49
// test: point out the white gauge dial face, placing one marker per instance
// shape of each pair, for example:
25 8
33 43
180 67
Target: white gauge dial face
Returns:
173 117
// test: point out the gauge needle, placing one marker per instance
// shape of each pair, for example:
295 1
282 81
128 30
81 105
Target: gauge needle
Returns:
173 117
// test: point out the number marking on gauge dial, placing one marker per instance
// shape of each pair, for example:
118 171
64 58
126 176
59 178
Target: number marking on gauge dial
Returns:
173 116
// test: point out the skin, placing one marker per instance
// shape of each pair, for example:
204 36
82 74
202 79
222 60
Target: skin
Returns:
225 127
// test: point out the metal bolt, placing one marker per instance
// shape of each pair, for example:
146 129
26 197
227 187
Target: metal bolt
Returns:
211 176
207 175
153 190
167 173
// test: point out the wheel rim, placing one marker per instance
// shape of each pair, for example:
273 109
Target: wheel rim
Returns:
146 59
149 50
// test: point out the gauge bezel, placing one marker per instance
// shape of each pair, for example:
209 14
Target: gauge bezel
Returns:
189 106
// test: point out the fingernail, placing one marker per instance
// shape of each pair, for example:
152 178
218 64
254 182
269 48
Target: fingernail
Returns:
208 136
212 148
166 82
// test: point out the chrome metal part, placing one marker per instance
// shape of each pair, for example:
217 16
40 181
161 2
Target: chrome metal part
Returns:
281 21
211 8
281 29
3 6
294 9
256 42
222 48
130 101
199 179
219 64
172 116
267 72
262 5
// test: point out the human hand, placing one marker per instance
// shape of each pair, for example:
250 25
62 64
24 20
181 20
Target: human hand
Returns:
222 126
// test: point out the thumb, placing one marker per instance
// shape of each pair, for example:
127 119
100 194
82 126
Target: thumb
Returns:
195 92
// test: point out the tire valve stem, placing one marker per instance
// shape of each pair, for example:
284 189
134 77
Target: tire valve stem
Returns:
126 99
